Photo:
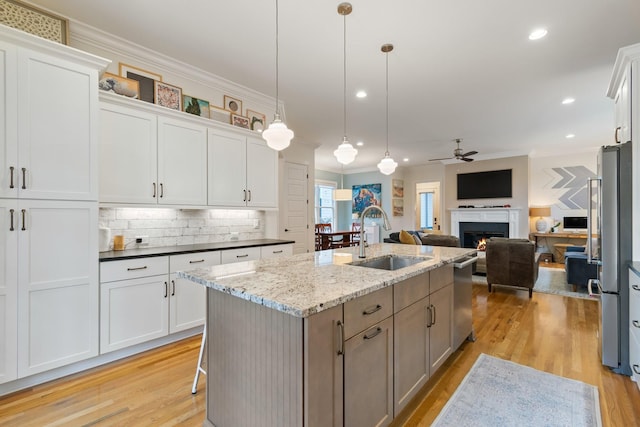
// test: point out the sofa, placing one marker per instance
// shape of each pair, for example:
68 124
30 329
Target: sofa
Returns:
579 271
512 262
425 239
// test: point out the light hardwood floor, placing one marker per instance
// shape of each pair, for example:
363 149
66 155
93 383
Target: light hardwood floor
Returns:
548 332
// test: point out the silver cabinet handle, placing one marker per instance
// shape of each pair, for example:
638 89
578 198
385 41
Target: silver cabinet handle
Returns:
161 190
636 369
242 256
636 323
433 312
24 178
173 287
11 168
372 310
616 138
154 190
196 261
245 196
144 267
166 289
340 337
635 287
24 220
11 212
429 316
249 191
373 334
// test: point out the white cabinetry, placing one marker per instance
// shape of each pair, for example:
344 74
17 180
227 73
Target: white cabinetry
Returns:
276 251
147 158
48 201
243 171
634 325
241 254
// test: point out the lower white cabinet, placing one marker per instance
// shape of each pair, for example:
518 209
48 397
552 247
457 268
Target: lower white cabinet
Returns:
241 254
634 325
276 251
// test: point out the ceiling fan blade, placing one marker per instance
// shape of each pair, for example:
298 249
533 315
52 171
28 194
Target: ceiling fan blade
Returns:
443 158
466 159
470 153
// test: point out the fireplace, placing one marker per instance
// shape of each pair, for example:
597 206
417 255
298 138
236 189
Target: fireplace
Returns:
472 233
508 218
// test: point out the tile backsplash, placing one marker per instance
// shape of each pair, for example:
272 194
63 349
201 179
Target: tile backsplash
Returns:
170 227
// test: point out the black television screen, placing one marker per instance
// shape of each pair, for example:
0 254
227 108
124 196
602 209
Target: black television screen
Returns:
485 185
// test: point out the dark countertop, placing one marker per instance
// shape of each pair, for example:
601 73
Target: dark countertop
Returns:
186 249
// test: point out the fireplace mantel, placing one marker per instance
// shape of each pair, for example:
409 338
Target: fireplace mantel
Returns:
508 215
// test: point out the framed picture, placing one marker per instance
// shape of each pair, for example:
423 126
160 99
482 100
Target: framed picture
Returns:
233 104
35 21
144 77
257 121
398 207
397 188
196 106
240 121
120 85
167 95
366 195
219 115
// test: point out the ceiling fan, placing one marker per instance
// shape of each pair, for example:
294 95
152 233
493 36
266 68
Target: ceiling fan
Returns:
458 154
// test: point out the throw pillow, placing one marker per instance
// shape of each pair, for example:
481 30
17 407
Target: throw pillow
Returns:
417 239
406 238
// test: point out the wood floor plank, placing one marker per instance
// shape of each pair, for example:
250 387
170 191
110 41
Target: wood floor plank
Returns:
551 333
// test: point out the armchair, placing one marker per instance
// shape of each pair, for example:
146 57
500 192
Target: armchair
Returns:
512 262
579 271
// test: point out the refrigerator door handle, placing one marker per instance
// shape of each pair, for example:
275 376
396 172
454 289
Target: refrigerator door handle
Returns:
590 258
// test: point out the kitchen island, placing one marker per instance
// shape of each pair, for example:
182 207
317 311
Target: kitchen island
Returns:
317 340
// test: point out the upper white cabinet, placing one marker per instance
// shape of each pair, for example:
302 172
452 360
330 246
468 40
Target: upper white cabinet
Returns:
243 171
48 111
146 158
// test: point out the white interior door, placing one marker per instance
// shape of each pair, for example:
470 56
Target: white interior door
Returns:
428 215
295 215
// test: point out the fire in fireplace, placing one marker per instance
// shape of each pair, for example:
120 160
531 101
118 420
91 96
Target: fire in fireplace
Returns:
472 233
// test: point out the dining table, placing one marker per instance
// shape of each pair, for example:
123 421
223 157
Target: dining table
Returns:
327 239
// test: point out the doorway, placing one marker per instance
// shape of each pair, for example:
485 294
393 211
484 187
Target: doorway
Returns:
428 216
296 201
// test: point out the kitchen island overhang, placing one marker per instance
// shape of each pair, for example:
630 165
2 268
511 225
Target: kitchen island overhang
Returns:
276 331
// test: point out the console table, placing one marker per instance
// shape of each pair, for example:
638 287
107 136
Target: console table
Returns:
561 240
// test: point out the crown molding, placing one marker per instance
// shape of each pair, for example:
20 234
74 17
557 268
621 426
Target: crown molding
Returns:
120 47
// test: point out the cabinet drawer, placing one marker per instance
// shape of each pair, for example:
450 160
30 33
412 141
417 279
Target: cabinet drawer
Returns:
409 291
194 260
239 255
276 251
133 268
363 312
440 277
634 355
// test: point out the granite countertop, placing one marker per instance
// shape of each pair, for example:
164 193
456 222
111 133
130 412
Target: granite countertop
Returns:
304 284
186 249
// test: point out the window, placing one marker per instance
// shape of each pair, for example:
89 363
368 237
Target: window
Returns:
426 211
325 205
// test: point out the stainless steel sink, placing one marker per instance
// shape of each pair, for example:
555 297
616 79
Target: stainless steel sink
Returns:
390 262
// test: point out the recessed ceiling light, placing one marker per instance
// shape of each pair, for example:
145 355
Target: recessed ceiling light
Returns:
359 143
571 135
361 94
568 101
406 159
537 34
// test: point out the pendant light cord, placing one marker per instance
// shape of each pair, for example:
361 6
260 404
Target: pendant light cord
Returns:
344 61
387 88
277 55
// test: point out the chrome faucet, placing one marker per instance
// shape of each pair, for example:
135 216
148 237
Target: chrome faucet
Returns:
386 225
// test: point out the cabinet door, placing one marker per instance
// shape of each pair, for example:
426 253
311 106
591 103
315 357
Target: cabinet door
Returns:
58 284
8 290
182 163
411 352
623 108
634 325
8 122
187 305
57 125
368 376
128 155
133 311
227 169
441 330
262 174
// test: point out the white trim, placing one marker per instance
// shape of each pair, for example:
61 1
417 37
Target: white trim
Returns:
504 215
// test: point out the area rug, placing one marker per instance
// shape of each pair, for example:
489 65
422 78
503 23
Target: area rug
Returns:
550 281
498 392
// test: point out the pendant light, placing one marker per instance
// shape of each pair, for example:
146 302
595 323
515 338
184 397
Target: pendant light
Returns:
277 135
387 165
345 153
342 194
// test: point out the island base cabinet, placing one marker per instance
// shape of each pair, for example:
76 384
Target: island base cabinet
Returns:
368 376
441 329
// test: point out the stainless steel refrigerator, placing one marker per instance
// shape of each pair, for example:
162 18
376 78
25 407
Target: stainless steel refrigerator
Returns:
610 221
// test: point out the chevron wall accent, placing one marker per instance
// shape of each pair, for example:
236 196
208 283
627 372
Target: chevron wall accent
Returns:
573 179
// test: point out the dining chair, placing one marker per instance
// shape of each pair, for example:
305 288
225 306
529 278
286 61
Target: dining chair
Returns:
355 238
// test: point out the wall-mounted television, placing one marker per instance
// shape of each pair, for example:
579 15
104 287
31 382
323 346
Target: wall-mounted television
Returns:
485 185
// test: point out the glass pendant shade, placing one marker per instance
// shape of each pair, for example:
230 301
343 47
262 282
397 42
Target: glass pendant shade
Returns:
387 165
342 194
277 135
345 153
